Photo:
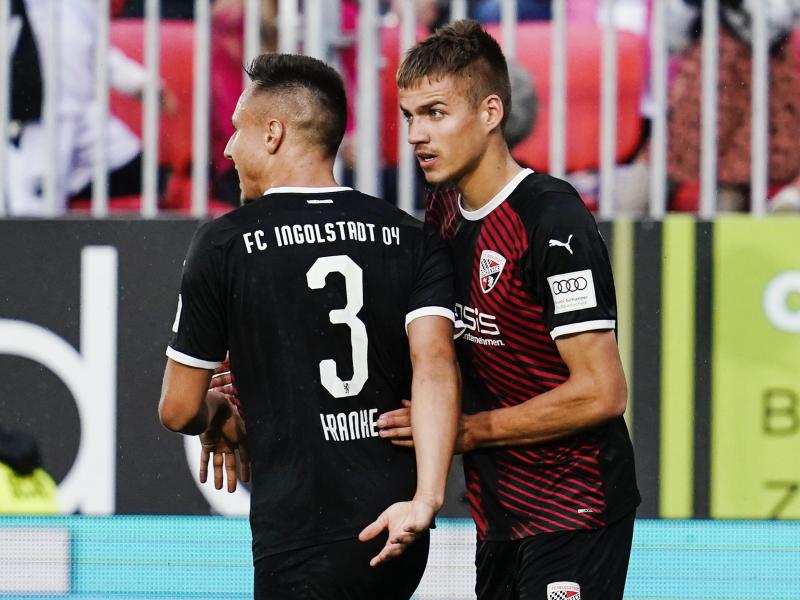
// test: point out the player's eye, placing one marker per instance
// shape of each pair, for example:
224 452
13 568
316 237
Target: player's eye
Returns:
436 113
407 117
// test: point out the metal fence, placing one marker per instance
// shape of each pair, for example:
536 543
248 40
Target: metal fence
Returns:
316 31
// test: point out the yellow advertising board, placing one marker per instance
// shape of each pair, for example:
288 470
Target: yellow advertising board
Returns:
755 445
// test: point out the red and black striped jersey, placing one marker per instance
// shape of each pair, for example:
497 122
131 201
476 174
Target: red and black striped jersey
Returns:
531 266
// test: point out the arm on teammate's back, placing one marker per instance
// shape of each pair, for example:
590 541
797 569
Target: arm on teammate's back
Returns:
435 393
594 393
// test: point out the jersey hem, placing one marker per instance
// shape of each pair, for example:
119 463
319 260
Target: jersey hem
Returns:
191 361
581 327
620 511
430 311
306 542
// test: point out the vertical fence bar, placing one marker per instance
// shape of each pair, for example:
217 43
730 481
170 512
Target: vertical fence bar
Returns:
150 113
51 96
406 180
314 41
558 89
252 34
458 10
337 43
5 88
368 100
201 107
508 24
608 113
100 170
759 147
658 83
708 158
288 21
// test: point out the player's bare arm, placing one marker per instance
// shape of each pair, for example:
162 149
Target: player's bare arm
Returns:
594 393
435 392
188 406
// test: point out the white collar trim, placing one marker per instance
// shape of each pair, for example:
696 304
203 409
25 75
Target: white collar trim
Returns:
306 190
499 198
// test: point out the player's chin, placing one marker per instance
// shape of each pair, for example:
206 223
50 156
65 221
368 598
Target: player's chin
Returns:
436 177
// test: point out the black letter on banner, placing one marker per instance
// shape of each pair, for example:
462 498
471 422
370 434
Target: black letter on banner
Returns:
780 412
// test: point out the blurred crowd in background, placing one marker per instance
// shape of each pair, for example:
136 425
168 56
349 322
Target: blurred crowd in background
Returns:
77 106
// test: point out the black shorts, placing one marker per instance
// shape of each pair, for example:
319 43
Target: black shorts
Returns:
593 563
340 571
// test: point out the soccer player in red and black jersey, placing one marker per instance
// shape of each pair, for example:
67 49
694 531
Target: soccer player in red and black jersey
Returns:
548 460
333 306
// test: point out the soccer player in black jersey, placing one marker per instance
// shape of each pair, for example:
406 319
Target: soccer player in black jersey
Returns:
548 460
333 307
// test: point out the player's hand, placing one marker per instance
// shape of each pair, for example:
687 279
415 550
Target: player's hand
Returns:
226 444
405 522
395 426
222 380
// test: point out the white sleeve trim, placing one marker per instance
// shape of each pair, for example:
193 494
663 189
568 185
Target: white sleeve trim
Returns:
580 327
430 311
191 361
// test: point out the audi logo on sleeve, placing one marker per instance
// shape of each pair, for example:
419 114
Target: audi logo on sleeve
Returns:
572 291
575 284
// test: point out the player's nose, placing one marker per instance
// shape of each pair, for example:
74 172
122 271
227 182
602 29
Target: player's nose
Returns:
417 133
227 151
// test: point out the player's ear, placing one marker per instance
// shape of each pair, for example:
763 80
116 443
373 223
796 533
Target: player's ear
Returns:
274 134
492 112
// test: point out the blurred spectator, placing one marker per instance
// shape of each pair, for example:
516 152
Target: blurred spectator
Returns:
524 105
428 13
488 11
227 52
75 112
735 92
25 487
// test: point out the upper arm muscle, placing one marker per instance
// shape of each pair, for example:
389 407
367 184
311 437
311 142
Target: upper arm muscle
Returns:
593 359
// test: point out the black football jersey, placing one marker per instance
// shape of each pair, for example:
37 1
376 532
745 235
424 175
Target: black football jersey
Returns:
531 266
311 291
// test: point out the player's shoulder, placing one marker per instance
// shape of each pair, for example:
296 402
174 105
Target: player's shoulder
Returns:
541 199
219 231
389 211
385 213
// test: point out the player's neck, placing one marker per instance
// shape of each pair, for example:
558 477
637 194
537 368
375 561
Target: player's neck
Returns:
496 168
302 171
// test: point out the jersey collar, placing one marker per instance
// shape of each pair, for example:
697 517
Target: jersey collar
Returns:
306 190
499 198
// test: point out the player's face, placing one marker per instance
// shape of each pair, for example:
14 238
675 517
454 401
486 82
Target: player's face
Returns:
444 127
246 148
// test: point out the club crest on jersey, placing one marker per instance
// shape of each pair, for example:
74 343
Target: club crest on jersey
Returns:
563 590
491 267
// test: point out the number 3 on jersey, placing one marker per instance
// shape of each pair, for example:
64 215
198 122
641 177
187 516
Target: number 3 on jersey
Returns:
354 286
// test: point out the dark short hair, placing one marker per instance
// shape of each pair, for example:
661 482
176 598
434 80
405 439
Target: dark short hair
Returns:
462 49
285 73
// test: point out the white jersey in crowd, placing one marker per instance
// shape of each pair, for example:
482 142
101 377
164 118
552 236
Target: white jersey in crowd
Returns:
76 109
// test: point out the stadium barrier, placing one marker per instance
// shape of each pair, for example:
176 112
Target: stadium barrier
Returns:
147 557
588 111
